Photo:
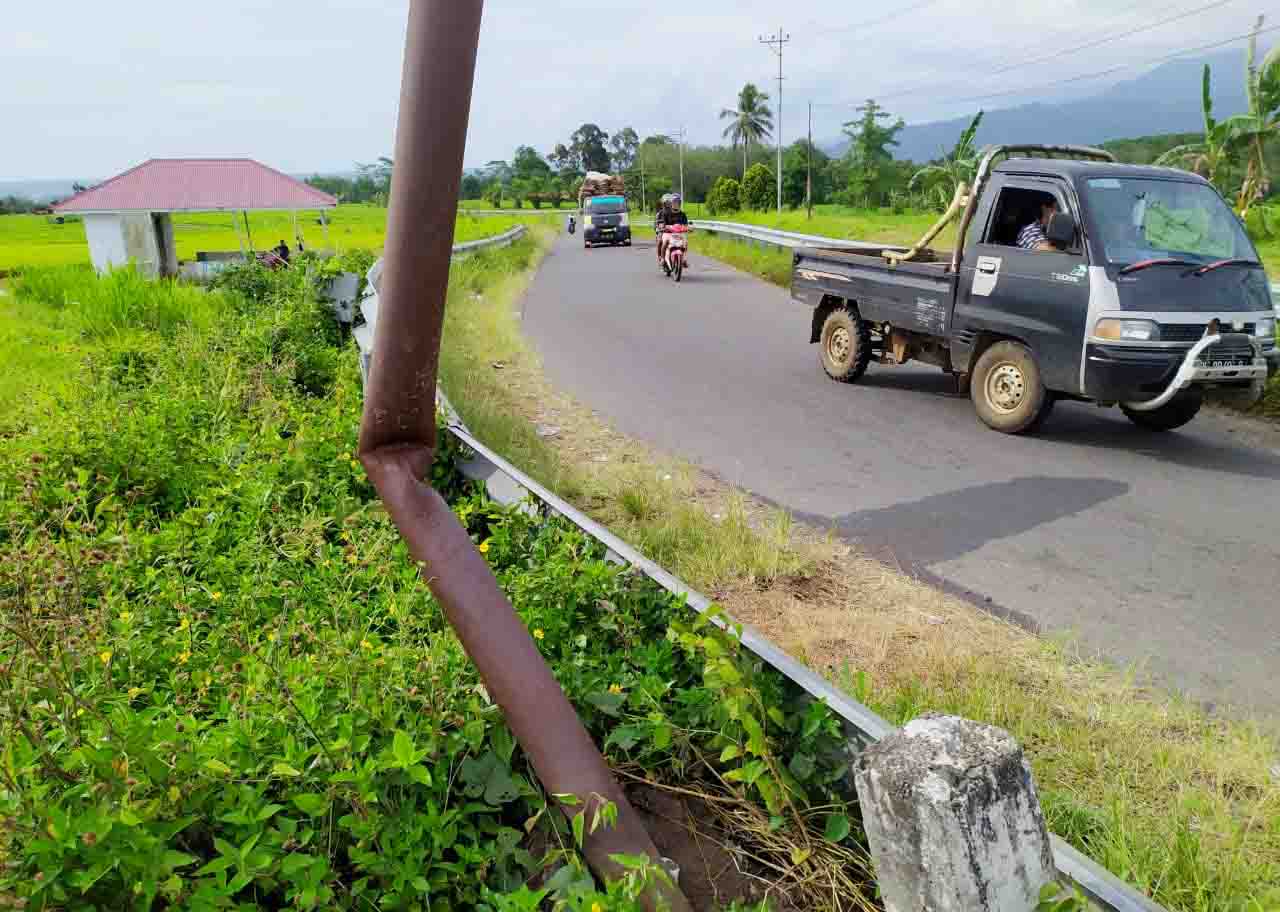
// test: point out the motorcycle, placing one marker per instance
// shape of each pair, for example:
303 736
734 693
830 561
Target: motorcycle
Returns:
675 257
573 224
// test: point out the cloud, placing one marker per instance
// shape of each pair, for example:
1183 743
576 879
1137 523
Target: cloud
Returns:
313 86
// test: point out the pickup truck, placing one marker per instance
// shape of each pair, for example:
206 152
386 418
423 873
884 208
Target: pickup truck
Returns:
1148 295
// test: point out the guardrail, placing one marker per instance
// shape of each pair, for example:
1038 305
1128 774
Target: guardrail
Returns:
507 484
787 239
369 305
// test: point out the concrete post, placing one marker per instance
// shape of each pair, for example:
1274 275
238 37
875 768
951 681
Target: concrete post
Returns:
953 820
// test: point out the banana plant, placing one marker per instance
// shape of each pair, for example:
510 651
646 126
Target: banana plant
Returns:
958 168
1211 155
1260 125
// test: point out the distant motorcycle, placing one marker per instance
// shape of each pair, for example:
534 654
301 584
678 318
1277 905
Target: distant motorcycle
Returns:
676 255
573 224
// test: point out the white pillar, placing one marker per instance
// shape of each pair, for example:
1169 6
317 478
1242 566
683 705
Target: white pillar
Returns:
953 820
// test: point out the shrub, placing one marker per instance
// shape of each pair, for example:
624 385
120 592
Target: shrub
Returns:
758 188
225 685
725 196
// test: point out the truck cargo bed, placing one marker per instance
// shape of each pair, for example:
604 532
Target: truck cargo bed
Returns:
915 296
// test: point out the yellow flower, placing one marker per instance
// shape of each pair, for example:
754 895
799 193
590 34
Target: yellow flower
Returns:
184 657
215 595
345 456
105 655
271 637
133 692
596 907
615 688
186 622
174 793
538 634
365 644
484 547
126 616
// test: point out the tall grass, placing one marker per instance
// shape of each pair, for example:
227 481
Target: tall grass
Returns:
119 302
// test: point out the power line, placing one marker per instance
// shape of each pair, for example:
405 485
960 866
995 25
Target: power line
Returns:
1098 74
878 20
1088 45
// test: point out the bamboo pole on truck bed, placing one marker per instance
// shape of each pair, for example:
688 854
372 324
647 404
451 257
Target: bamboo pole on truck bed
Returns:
398 432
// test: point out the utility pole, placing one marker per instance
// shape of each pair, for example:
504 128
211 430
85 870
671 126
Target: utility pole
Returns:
808 180
681 153
643 207
775 43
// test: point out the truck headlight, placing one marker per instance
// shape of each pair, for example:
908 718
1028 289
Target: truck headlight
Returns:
1127 330
1265 328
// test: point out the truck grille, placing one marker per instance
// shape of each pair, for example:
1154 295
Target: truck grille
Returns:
1232 348
1194 332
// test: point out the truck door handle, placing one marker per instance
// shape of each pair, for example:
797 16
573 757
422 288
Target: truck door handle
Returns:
987 267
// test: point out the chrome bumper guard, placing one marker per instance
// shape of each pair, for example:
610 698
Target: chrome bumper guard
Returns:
1194 371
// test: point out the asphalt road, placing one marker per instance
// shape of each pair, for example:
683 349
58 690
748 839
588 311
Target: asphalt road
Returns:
1152 549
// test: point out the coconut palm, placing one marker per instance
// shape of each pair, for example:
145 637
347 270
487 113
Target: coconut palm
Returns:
958 169
751 121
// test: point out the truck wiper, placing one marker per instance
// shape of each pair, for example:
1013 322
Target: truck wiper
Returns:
1159 261
1233 261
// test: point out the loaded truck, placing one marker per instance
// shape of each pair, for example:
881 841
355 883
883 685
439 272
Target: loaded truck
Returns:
1148 294
602 205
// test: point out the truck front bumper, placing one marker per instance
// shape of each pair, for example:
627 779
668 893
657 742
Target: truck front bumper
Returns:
1145 376
615 235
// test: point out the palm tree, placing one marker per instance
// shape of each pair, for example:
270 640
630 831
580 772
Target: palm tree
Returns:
751 121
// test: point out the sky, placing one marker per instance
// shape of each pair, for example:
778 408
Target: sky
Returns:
88 89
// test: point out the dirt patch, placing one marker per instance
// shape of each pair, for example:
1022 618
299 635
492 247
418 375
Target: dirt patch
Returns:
711 876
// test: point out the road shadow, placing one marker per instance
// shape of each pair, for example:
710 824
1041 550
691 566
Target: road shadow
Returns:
934 383
943 527
1189 448
914 535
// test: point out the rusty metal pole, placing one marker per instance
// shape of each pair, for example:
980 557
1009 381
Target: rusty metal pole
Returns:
397 431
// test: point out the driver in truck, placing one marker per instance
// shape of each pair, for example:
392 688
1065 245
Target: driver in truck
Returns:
1032 236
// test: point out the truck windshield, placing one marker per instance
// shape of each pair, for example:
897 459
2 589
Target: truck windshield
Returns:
1141 219
606 206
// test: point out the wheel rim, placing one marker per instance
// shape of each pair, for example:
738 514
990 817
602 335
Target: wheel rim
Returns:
839 344
1006 387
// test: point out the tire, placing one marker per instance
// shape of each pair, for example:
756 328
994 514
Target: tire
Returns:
844 346
679 268
1170 416
1007 390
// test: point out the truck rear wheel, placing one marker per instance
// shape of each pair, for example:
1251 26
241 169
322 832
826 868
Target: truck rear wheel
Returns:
1173 414
845 345
1007 390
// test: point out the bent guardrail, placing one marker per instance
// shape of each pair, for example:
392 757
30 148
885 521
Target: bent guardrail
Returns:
507 484
369 305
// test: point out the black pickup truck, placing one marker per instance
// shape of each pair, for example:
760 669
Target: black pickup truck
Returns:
1145 292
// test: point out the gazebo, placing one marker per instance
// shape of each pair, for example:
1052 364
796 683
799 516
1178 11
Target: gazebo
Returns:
128 218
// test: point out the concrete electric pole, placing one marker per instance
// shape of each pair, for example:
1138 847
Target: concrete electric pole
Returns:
775 43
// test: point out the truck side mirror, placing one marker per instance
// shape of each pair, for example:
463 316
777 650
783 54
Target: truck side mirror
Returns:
1062 229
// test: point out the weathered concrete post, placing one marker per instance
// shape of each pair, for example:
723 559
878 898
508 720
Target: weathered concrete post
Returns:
952 818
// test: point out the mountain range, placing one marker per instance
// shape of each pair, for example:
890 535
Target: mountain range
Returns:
1163 100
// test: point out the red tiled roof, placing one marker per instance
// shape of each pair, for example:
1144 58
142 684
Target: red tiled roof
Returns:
200 185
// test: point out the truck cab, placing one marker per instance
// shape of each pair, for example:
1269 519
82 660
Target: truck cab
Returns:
605 220
1150 296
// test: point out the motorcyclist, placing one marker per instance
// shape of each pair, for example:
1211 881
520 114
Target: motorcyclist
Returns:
669 214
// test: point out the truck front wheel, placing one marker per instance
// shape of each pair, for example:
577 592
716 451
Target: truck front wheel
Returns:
1007 391
1173 414
845 346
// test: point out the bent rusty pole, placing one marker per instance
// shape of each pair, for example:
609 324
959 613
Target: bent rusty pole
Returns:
397 430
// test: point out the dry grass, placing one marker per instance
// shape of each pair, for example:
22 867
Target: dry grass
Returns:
1184 805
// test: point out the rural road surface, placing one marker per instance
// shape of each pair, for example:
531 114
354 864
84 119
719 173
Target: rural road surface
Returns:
1152 549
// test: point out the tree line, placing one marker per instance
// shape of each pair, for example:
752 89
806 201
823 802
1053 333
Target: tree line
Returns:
1236 154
